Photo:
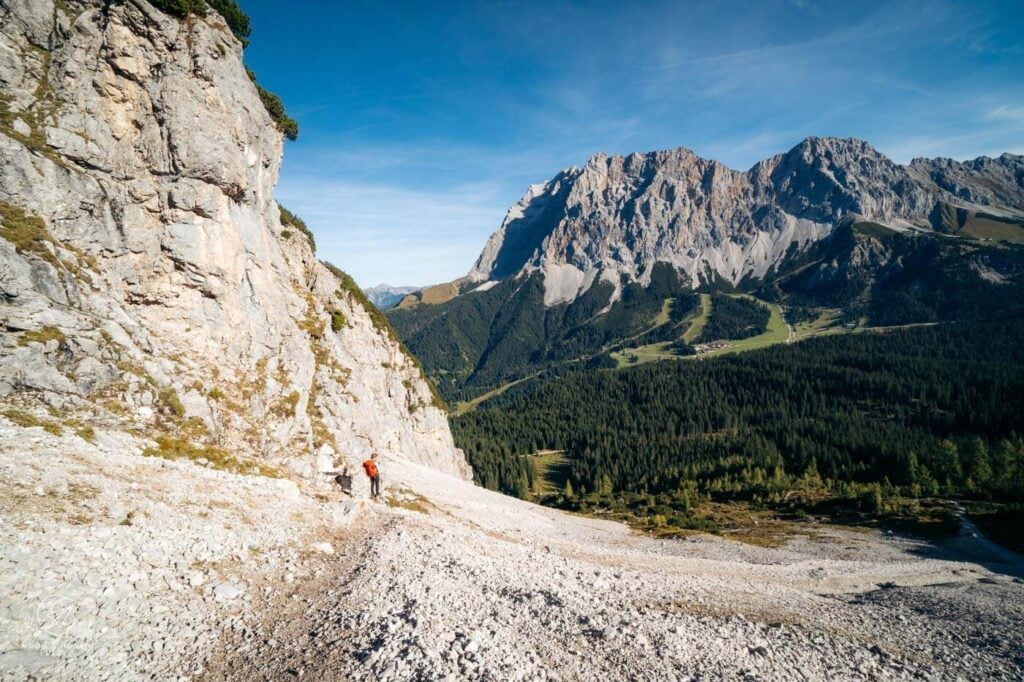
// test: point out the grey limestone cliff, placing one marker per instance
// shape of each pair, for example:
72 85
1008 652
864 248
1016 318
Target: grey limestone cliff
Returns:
621 215
146 280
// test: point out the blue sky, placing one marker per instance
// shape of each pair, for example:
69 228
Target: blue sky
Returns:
421 123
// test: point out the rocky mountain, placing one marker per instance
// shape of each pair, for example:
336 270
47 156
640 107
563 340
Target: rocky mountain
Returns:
386 296
622 215
147 283
607 256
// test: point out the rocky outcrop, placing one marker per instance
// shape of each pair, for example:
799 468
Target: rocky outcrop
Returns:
146 280
621 215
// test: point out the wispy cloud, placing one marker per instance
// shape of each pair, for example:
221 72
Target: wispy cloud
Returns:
962 147
1007 112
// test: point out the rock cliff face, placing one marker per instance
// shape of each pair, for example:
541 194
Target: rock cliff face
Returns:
621 215
146 280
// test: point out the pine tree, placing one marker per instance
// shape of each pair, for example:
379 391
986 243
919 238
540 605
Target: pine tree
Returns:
980 466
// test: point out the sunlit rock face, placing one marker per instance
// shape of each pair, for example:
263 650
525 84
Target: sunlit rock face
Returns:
621 215
146 279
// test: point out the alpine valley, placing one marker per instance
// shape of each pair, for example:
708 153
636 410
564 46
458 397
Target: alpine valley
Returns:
604 263
828 316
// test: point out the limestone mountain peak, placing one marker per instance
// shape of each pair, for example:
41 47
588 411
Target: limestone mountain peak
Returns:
620 215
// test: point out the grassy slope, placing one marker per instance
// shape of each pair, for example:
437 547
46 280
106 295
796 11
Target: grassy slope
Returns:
552 471
660 351
660 319
825 324
470 405
979 227
777 331
700 318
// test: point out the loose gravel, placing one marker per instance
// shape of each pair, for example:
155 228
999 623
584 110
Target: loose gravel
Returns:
115 566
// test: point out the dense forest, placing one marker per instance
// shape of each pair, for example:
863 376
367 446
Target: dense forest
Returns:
925 411
734 318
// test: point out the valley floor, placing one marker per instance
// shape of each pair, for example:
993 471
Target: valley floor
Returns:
116 566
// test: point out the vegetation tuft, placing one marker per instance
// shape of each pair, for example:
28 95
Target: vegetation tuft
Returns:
289 219
27 233
237 20
275 107
28 420
168 397
172 447
43 336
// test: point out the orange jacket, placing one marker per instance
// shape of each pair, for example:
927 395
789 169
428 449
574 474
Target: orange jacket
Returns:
370 467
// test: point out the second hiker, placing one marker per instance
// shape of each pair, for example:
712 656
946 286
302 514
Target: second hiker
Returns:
373 473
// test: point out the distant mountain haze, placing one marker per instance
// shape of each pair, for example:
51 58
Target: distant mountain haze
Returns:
385 296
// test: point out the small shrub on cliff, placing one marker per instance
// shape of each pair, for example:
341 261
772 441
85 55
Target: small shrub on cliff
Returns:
275 107
26 232
237 20
169 399
289 219
181 8
337 320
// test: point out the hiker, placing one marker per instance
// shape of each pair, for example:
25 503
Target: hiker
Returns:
370 467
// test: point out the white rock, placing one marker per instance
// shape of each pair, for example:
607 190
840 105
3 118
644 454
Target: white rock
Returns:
227 591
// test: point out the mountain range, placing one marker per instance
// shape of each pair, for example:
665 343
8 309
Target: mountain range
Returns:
385 296
595 255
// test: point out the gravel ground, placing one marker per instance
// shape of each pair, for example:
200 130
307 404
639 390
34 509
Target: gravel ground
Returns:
485 587
117 566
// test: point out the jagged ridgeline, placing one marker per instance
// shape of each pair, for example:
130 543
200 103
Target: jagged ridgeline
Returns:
600 265
150 284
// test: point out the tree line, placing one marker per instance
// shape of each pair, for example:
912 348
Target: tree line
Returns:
924 411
